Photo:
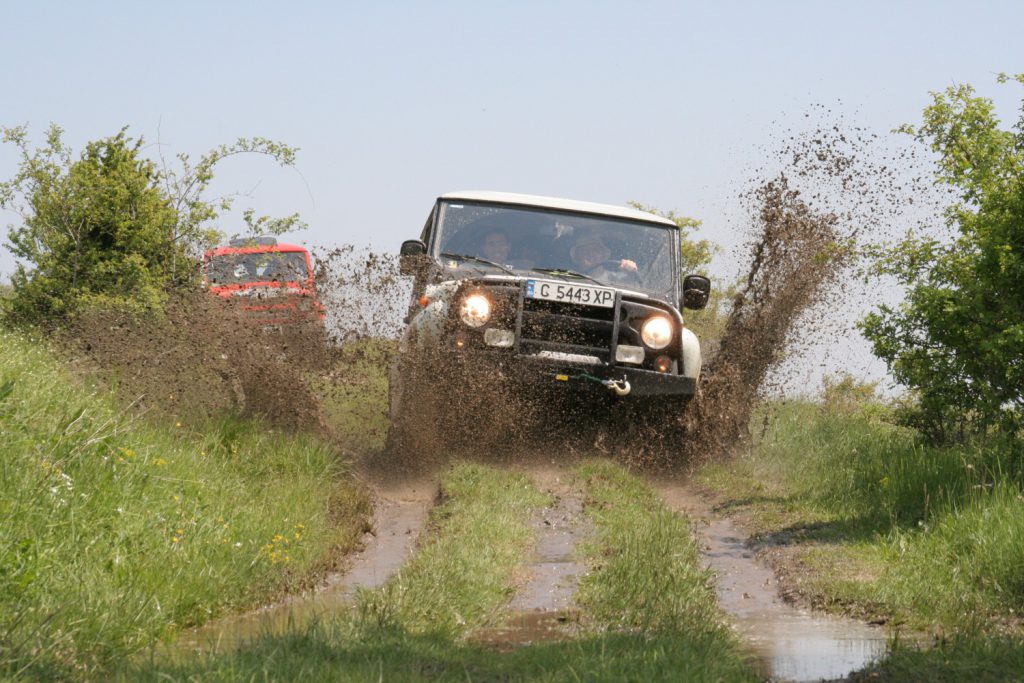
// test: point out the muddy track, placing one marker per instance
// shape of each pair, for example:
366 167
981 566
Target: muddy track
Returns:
542 608
789 643
400 514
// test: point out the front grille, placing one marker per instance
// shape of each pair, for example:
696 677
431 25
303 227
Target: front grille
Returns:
554 326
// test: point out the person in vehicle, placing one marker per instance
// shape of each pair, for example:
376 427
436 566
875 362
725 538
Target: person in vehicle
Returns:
592 257
496 247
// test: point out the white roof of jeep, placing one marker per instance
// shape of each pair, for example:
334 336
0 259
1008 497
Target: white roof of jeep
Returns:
557 203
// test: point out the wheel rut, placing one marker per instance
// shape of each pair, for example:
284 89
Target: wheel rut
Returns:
399 516
542 608
789 643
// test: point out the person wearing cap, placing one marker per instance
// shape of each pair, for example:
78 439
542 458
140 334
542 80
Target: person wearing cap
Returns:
592 257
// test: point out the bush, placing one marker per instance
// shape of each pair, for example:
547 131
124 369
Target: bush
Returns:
111 229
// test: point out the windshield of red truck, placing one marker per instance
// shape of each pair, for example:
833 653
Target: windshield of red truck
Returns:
268 266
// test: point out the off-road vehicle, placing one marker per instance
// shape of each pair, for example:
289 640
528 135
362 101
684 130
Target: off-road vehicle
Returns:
271 282
553 297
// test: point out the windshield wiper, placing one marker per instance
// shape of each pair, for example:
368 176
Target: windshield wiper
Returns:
562 272
477 259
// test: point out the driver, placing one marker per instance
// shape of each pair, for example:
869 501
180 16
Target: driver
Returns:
496 247
591 256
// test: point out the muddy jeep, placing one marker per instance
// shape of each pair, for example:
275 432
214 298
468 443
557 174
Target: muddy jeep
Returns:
562 301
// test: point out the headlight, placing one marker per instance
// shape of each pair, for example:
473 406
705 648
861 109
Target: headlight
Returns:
656 332
475 310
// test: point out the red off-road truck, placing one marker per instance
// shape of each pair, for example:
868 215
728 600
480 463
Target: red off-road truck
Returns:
272 282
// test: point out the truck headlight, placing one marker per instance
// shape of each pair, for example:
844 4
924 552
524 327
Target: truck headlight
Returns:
656 332
475 310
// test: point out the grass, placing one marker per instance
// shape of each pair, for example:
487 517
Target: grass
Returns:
963 659
647 581
411 628
419 626
876 523
118 530
465 573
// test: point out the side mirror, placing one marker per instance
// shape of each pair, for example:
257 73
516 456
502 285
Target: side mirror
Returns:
696 290
411 256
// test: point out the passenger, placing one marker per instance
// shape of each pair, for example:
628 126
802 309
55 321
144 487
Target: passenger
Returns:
592 257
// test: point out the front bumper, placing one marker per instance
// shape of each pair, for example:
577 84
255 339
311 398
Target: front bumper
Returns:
544 374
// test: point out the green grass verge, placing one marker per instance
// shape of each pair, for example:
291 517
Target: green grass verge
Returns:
117 530
464 574
880 525
411 628
978 660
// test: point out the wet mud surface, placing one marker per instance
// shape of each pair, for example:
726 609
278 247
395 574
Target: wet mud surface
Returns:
542 608
789 643
554 569
400 514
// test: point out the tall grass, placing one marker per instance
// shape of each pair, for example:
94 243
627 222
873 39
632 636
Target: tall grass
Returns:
944 526
116 530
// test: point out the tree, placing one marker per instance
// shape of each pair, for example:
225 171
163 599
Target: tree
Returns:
957 339
112 228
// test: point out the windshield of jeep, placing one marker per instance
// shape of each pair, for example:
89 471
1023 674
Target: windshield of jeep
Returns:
268 266
544 242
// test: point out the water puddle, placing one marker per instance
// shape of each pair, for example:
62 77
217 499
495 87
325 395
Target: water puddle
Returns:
554 569
399 516
790 643
529 628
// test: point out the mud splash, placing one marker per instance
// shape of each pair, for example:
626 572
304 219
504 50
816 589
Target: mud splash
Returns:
205 357
839 189
795 257
789 643
400 514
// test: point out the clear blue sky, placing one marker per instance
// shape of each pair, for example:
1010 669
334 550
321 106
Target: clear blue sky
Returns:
393 103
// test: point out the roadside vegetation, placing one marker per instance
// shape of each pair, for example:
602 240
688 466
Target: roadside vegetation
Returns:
912 513
860 515
119 529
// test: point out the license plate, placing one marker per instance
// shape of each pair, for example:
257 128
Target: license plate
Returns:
570 294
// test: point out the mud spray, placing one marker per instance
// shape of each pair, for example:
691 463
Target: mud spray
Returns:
206 357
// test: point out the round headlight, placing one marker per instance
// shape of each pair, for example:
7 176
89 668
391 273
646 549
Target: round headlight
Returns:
656 332
475 310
